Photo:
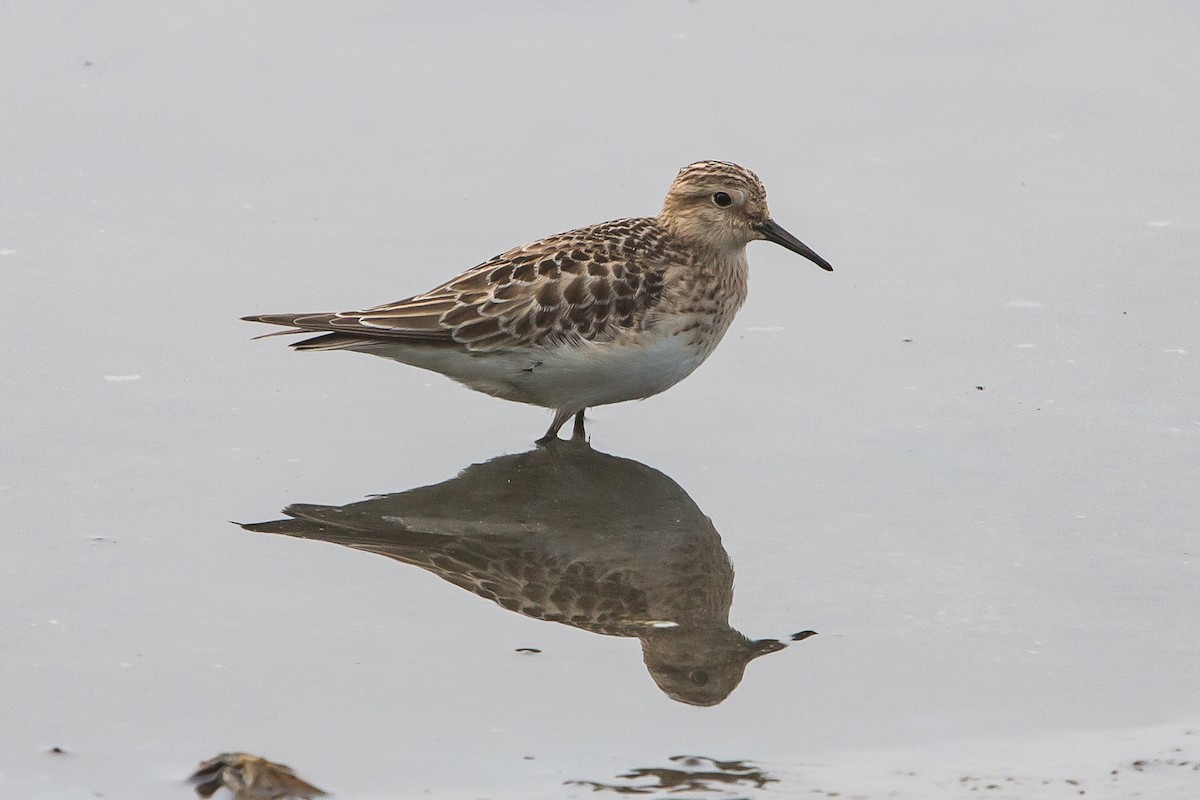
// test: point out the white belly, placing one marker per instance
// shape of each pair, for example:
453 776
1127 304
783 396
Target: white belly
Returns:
599 374
572 377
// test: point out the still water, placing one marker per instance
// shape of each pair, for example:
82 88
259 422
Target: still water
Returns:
967 459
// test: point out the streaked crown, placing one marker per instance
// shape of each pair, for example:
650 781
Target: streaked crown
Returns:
704 174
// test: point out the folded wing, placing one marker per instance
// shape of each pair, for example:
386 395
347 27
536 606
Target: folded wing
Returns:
588 284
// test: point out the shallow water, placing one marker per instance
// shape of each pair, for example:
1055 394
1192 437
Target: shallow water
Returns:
967 458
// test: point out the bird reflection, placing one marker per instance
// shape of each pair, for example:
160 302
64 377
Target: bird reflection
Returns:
566 534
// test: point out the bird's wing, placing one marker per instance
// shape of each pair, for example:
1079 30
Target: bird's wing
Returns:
586 284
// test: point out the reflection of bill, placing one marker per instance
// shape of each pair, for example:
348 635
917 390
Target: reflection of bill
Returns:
566 534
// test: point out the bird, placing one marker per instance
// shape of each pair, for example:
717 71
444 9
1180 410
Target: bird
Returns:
616 311
250 777
567 534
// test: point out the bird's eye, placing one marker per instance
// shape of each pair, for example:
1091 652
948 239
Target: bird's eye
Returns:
722 200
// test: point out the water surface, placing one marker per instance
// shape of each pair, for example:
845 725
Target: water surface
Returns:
967 458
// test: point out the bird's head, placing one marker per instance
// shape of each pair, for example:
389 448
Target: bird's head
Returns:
723 206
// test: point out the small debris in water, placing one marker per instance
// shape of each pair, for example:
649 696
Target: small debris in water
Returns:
528 650
796 637
57 751
250 777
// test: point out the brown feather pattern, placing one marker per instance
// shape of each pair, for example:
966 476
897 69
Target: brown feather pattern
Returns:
588 284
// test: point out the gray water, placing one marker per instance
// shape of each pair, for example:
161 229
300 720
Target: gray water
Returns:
968 458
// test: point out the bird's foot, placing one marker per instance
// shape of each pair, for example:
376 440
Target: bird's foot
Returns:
578 434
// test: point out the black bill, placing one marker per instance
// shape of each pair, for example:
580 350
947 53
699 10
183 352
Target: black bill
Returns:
773 233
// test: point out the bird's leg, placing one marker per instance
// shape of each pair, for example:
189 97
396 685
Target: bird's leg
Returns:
560 418
578 433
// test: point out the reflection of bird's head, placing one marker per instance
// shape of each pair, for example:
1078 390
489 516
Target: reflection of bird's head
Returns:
701 667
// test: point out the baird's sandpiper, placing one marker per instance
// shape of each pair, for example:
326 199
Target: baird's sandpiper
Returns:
617 311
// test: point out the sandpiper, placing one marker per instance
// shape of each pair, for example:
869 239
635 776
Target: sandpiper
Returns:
617 311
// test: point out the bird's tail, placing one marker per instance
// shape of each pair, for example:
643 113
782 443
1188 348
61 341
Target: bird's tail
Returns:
328 341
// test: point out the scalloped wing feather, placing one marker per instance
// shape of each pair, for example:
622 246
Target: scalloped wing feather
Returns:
589 284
